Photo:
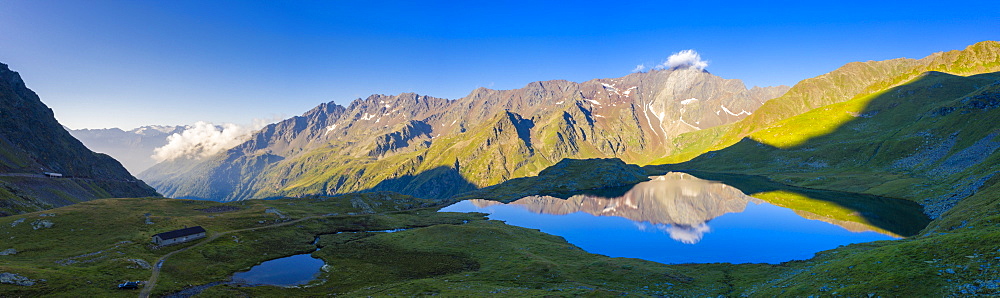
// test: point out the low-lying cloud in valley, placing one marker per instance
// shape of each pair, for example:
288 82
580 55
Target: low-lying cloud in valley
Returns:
204 139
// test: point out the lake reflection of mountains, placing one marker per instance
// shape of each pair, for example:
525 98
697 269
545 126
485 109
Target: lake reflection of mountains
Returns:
677 203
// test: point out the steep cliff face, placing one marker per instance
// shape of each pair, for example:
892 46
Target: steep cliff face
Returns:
32 142
405 142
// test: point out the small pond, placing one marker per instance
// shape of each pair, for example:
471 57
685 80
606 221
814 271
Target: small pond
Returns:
679 218
288 271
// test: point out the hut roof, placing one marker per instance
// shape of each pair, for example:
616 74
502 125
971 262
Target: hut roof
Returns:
181 233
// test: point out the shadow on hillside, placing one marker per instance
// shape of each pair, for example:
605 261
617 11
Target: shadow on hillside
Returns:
438 183
901 217
216 200
608 192
887 136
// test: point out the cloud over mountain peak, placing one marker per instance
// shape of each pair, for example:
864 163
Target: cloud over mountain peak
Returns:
684 59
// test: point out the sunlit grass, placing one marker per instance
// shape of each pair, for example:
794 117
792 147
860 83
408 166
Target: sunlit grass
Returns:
798 130
827 209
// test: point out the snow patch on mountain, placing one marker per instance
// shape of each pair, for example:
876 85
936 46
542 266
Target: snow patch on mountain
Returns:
689 124
628 91
734 114
611 87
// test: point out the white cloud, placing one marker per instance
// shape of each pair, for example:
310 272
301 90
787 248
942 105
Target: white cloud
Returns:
688 234
683 233
204 139
639 68
684 59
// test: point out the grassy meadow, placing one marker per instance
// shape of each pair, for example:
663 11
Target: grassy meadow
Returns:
90 247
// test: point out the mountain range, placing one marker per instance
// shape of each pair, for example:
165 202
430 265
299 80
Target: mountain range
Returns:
436 148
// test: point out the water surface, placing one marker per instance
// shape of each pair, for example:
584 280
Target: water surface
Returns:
678 218
288 271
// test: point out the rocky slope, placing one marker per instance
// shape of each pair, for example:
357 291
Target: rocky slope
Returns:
852 81
925 137
132 148
433 147
32 143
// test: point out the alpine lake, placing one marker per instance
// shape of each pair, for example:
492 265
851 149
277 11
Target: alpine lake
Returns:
678 218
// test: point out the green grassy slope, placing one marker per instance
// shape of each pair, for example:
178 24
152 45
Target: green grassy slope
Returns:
455 254
852 81
447 253
929 140
78 255
955 256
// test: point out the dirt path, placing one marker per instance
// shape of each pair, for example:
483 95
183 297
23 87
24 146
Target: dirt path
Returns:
151 283
22 175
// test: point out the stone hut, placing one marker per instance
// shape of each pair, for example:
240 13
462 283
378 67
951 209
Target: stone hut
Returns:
179 236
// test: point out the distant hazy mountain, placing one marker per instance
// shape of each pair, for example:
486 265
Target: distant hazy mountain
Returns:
33 143
132 148
432 147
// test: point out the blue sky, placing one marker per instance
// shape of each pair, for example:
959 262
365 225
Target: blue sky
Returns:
129 63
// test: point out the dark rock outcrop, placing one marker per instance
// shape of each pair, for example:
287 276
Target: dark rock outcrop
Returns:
33 143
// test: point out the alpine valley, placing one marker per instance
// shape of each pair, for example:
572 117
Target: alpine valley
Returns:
904 149
134 148
435 148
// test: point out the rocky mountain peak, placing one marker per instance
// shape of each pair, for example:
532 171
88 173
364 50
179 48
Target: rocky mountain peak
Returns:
494 134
